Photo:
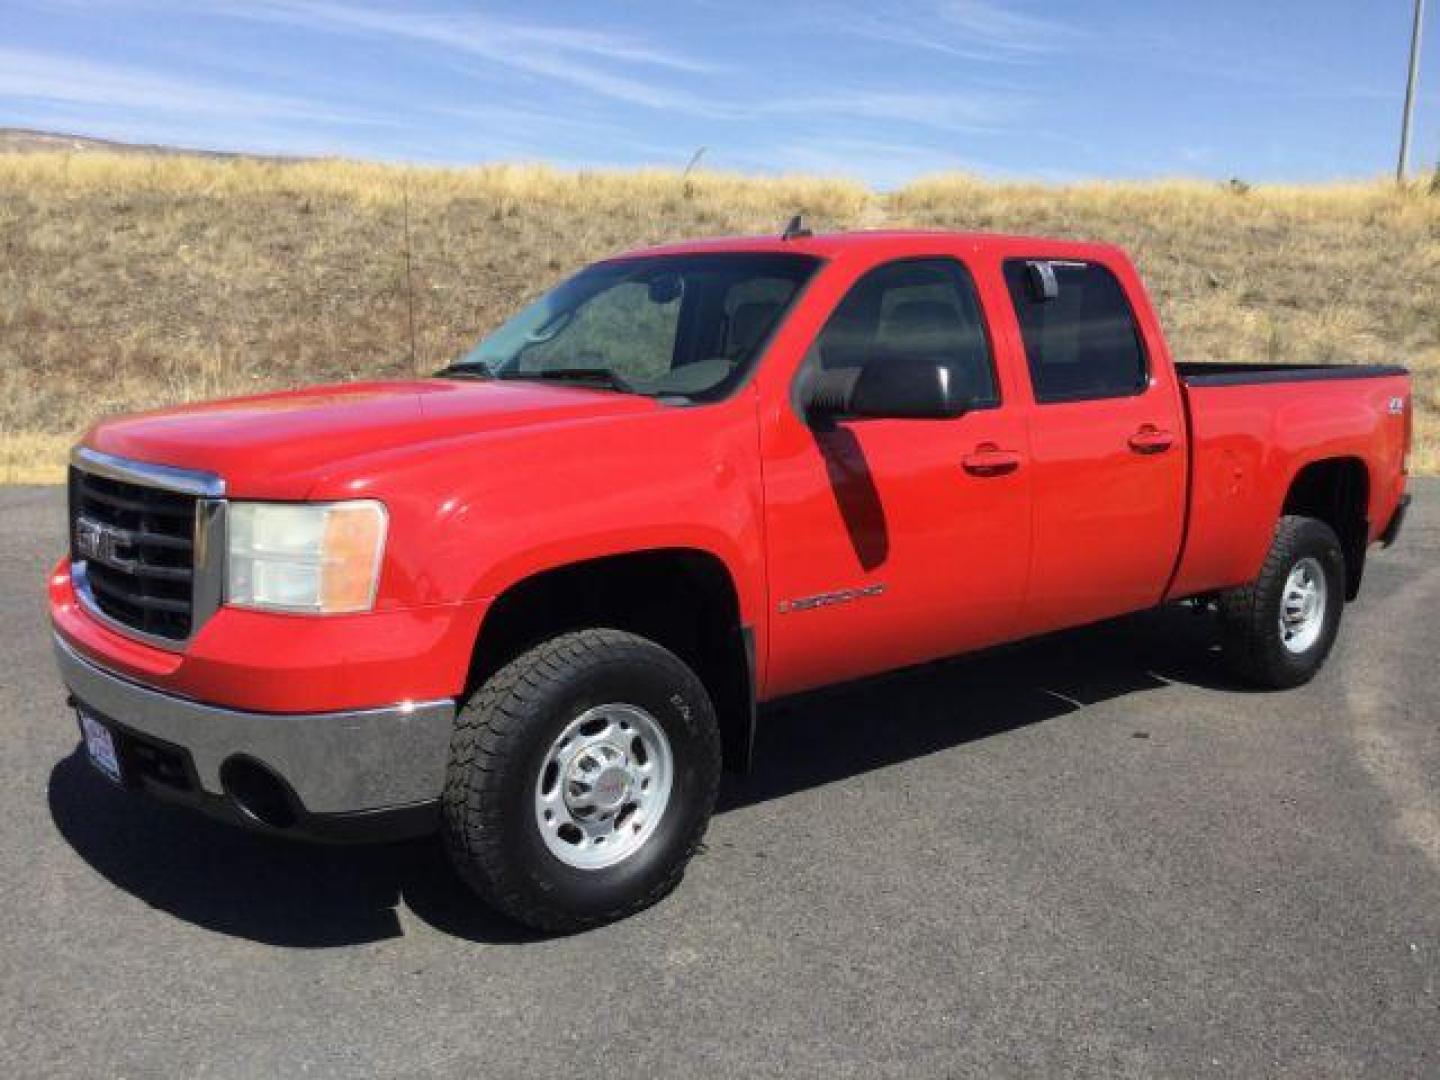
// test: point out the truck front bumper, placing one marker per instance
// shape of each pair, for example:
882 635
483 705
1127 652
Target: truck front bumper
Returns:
358 775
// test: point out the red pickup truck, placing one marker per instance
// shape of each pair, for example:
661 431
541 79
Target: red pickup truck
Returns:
533 602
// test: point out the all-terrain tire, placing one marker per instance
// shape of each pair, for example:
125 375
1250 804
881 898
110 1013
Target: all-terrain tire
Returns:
1254 633
504 737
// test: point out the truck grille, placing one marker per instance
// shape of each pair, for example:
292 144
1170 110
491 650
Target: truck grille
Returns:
133 547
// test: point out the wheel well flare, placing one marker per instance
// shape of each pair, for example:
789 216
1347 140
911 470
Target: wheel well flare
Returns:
680 598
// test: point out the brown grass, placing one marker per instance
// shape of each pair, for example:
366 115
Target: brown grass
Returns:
130 281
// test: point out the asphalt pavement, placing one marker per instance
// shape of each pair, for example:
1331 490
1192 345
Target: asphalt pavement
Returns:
1092 854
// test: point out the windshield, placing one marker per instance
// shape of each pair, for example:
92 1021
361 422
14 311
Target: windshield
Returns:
688 325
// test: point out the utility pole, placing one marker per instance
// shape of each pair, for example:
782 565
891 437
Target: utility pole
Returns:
1400 166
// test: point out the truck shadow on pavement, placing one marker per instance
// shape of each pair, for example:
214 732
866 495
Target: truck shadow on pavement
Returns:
846 730
261 888
307 896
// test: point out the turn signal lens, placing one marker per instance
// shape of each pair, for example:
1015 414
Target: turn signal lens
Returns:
354 539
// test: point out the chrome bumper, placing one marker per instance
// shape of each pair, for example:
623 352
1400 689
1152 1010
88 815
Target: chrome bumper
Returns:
335 763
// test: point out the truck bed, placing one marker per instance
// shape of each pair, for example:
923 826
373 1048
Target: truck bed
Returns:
1254 427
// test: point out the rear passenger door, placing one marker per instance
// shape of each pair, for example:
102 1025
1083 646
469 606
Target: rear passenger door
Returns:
1107 442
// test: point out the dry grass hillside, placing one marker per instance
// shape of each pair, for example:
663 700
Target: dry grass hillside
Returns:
132 280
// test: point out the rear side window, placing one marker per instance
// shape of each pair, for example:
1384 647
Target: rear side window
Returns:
1081 341
916 307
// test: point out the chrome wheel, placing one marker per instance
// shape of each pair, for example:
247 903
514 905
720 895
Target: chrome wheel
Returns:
604 786
1302 606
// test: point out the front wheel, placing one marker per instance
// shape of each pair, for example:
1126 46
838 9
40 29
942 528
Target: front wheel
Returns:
1278 630
581 779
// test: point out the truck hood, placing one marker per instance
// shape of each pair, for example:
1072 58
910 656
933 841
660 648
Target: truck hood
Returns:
257 443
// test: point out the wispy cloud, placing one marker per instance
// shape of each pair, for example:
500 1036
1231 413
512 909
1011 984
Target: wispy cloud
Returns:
591 43
613 66
36 75
968 29
1002 27
535 132
454 83
1278 82
583 59
978 111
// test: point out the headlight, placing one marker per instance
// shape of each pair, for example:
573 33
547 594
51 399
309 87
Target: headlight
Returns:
322 558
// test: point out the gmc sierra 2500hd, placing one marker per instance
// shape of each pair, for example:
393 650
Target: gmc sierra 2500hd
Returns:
533 602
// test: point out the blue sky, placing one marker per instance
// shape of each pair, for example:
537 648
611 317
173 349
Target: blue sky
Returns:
1277 90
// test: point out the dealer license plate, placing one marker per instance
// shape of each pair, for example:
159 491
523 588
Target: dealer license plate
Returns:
100 745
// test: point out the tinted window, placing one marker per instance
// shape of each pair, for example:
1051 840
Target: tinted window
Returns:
922 307
687 325
1082 341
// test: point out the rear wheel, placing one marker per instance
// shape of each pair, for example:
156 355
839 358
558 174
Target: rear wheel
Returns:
1279 629
581 779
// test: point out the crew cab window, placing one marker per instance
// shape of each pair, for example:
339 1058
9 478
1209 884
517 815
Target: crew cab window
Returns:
915 307
1081 341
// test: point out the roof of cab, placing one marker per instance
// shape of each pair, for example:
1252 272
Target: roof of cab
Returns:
884 243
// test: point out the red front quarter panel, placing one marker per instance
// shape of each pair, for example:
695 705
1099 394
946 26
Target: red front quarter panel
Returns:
469 517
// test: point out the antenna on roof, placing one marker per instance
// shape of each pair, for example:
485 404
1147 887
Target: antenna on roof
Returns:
796 230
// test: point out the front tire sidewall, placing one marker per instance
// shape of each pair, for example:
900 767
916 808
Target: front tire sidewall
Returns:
683 715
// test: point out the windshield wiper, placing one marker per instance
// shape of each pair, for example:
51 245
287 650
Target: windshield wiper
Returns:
613 379
470 369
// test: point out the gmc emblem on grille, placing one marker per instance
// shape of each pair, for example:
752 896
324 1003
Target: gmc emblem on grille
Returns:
103 543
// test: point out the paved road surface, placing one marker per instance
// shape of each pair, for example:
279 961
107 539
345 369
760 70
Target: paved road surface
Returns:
1088 854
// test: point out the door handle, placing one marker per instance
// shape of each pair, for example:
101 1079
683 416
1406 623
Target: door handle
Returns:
1151 440
989 460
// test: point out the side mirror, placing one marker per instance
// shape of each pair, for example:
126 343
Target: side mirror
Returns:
896 387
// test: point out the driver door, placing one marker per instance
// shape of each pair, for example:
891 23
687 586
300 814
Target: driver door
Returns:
889 541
